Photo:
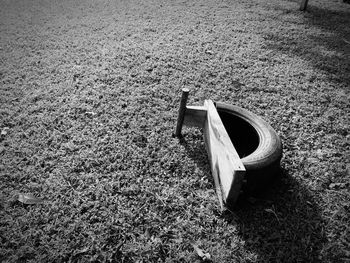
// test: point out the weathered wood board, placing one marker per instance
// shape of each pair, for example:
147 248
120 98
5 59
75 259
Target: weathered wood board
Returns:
195 116
226 166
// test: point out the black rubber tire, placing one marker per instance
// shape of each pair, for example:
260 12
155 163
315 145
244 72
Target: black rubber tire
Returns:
256 142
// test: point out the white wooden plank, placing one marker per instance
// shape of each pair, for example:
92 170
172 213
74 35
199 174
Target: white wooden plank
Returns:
226 166
195 116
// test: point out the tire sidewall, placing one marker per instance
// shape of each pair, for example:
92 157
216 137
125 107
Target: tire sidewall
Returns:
263 163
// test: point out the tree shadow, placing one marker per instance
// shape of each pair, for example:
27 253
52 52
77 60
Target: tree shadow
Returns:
281 224
322 38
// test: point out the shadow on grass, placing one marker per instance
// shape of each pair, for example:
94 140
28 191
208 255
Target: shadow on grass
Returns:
282 224
324 41
194 145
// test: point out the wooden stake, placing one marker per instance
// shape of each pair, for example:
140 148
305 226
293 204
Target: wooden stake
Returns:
303 5
226 166
182 110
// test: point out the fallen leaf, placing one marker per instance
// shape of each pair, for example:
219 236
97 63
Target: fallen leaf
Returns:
337 185
252 200
201 253
90 113
269 210
4 131
147 233
82 251
29 199
312 160
274 236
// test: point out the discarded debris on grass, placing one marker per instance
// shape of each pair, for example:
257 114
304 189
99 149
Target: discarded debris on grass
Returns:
89 91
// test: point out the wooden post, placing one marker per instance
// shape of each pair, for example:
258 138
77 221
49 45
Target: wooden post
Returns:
226 166
182 110
303 5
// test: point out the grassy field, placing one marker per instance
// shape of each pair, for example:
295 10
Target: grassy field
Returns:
88 104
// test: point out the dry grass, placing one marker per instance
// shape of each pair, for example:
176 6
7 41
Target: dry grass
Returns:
89 94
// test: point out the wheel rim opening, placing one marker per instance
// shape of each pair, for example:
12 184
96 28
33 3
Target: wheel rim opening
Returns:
243 135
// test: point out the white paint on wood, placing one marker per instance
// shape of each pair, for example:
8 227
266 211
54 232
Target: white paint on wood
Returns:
226 166
195 116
